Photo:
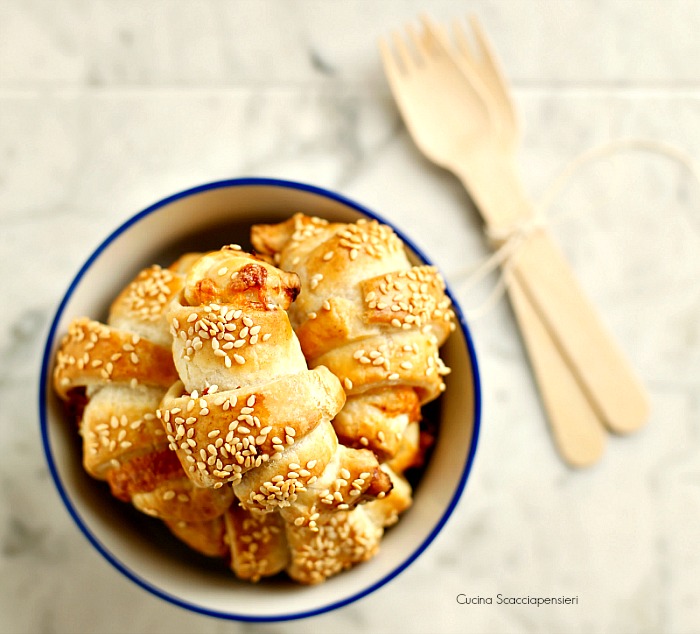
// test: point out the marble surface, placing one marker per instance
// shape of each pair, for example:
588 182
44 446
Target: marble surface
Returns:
109 105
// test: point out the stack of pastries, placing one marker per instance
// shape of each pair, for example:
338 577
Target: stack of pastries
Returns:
266 406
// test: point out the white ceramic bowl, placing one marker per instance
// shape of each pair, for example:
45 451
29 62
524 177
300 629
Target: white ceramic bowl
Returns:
207 217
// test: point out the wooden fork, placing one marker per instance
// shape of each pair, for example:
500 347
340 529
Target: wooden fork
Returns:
459 113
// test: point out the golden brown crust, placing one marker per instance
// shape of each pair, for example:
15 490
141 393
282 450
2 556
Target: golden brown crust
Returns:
230 273
378 419
239 430
345 539
410 453
207 537
94 354
143 301
118 424
398 360
409 299
385 512
157 486
257 542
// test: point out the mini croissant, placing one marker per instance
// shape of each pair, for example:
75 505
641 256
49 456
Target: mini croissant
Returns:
369 316
116 375
247 410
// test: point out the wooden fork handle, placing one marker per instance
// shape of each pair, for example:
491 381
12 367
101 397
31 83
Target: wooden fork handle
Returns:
578 433
547 280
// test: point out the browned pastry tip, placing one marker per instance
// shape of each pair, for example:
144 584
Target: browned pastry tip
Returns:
220 276
257 541
206 537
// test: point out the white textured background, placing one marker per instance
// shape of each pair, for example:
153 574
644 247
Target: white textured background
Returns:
109 105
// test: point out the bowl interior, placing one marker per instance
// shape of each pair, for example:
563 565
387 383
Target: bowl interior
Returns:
204 219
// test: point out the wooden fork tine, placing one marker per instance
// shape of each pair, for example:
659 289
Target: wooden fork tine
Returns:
462 42
418 42
405 57
391 67
441 44
487 53
434 36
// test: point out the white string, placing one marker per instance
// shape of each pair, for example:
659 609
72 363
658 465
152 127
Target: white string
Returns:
508 241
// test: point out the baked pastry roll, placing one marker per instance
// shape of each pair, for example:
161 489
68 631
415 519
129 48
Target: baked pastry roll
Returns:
368 315
247 411
115 376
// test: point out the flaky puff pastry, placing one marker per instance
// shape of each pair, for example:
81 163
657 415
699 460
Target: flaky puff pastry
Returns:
344 540
263 544
254 543
116 375
247 411
369 316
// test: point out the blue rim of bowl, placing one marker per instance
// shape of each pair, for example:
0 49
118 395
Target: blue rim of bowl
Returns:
45 374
